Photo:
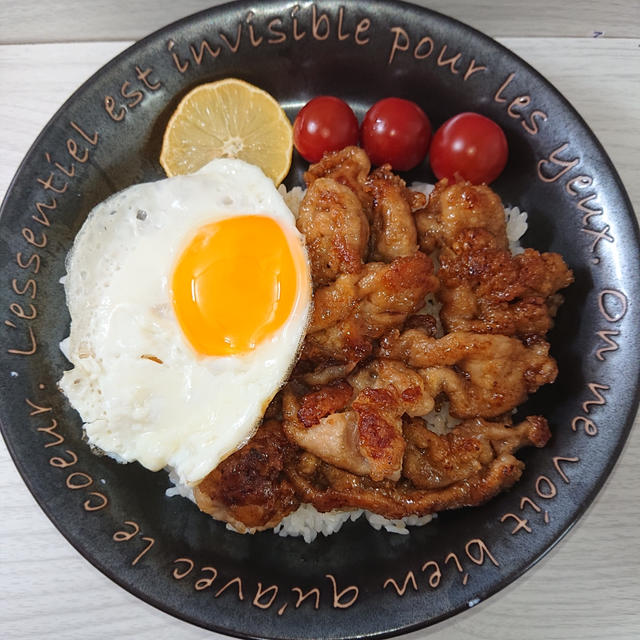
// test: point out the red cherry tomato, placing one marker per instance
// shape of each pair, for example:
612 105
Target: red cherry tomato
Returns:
324 124
471 146
396 131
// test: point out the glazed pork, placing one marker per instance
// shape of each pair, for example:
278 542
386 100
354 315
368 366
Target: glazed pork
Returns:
354 426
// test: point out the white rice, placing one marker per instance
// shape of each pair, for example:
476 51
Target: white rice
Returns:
516 228
306 521
178 488
292 198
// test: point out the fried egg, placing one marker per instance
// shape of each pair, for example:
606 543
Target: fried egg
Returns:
189 298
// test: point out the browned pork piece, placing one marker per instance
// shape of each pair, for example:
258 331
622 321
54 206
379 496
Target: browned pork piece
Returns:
433 461
465 467
456 207
335 228
249 489
487 290
484 288
347 432
357 425
357 309
482 375
393 229
349 166
365 437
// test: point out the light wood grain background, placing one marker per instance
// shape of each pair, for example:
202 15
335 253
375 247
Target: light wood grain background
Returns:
587 588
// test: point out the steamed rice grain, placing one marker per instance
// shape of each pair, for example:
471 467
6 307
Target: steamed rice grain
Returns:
307 522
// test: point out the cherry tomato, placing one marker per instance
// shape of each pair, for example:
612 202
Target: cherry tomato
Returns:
324 124
471 146
396 131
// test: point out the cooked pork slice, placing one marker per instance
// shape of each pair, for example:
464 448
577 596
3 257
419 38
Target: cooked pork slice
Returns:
308 409
357 309
487 290
452 208
382 373
484 288
423 321
357 425
322 374
349 166
467 467
335 228
249 489
436 461
393 230
364 435
482 375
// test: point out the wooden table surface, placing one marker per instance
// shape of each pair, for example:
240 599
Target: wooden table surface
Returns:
589 586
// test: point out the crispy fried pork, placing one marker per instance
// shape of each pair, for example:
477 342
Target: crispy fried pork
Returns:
393 229
484 288
364 436
465 467
335 228
249 489
357 424
357 309
349 431
456 207
433 461
482 375
349 166
487 290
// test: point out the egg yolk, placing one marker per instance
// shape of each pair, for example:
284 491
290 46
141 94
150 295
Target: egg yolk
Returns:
234 284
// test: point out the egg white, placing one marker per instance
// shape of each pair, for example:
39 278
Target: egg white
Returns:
186 412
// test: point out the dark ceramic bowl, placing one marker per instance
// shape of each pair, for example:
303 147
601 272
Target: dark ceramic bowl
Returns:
359 582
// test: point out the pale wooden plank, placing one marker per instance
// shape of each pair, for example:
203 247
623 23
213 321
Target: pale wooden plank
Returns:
588 588
65 21
38 80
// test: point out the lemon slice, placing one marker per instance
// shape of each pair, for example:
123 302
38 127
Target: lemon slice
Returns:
229 118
